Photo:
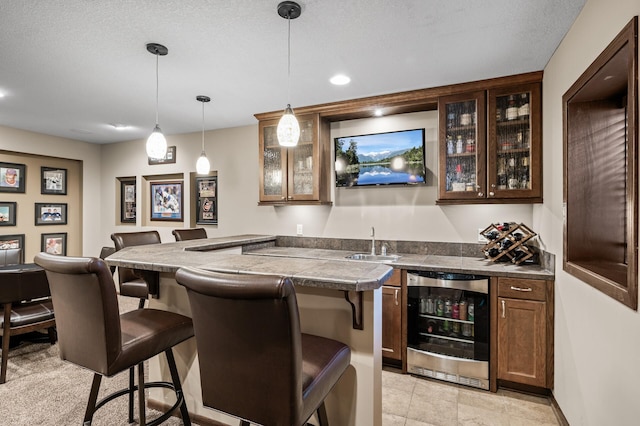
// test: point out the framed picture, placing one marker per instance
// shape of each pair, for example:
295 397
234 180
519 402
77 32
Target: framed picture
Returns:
169 157
53 181
166 201
54 243
12 177
207 200
12 242
51 214
7 213
128 201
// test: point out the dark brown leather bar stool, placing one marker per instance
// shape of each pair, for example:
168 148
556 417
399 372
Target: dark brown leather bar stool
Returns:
94 335
189 234
134 283
255 364
27 307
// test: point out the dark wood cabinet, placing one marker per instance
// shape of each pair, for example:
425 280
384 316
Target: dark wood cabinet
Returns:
490 145
392 308
525 332
296 175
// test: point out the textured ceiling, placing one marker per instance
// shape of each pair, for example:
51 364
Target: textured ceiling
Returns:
71 68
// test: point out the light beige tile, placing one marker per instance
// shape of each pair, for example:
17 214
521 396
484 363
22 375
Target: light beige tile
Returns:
481 399
411 422
398 381
392 420
429 390
518 421
477 416
434 411
535 411
396 401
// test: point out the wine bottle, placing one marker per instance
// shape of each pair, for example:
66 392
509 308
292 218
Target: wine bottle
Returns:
512 108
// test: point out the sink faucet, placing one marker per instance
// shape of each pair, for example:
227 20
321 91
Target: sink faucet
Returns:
373 241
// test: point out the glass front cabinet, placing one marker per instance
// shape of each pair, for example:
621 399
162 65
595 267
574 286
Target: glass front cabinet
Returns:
495 159
292 175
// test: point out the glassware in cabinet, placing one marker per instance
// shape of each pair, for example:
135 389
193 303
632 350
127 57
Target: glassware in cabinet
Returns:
462 150
514 144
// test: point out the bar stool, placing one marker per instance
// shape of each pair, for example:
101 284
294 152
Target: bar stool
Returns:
255 364
135 283
94 335
189 234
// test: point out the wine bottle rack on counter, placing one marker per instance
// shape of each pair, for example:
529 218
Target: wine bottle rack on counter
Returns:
506 241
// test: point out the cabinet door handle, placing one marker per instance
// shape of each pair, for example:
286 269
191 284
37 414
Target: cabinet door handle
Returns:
480 194
396 297
521 289
503 309
491 193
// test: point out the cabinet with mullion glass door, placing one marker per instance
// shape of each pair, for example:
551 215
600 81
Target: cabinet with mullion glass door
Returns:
290 175
514 145
462 146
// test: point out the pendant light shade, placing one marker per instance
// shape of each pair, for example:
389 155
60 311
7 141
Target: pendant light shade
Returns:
156 142
288 128
288 131
202 165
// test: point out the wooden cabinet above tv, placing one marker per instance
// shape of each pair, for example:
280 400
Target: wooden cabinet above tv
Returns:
396 103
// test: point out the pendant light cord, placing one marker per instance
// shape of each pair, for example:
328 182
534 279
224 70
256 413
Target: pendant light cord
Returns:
289 59
203 127
157 87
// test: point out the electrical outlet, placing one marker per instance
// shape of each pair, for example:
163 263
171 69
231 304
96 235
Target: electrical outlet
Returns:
481 238
299 229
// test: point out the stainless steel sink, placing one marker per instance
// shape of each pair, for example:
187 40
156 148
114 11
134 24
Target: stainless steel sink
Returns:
373 257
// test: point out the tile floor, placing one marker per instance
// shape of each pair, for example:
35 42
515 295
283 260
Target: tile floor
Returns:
412 401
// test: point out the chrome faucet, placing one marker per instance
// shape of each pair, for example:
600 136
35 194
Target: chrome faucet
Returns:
373 241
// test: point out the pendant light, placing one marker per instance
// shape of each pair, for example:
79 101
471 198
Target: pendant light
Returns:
288 130
202 165
156 143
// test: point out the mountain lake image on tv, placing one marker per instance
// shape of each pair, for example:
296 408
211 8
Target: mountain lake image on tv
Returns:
380 159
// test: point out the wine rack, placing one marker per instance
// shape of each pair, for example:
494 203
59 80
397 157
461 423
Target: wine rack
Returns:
507 242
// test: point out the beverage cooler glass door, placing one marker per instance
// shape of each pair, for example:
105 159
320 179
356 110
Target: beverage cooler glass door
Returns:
463 158
448 327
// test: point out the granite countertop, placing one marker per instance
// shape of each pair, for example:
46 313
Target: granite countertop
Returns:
419 262
308 272
310 267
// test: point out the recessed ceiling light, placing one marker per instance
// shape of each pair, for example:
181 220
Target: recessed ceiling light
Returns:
340 80
378 112
119 126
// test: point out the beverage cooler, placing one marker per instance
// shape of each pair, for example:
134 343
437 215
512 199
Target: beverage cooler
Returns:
448 327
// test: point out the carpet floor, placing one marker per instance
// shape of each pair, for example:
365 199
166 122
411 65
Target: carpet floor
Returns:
41 389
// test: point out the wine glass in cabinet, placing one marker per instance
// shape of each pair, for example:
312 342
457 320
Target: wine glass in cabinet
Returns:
462 146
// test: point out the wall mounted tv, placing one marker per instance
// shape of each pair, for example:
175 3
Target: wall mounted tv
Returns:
380 159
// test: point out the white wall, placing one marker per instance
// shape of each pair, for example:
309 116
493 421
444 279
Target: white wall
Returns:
597 343
407 213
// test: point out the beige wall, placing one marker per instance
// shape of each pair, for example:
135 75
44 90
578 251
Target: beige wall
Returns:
406 213
55 149
597 363
25 203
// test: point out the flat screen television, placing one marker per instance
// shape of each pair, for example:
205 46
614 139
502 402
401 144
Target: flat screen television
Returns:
391 158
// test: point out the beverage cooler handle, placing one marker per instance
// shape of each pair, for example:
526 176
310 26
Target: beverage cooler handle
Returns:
503 313
396 296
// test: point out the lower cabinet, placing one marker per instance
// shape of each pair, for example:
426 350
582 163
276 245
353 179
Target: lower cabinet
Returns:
392 303
525 332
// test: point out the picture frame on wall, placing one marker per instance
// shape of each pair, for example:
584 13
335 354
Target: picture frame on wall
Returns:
166 201
12 177
50 214
53 181
8 213
54 243
15 241
128 201
169 157
206 202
